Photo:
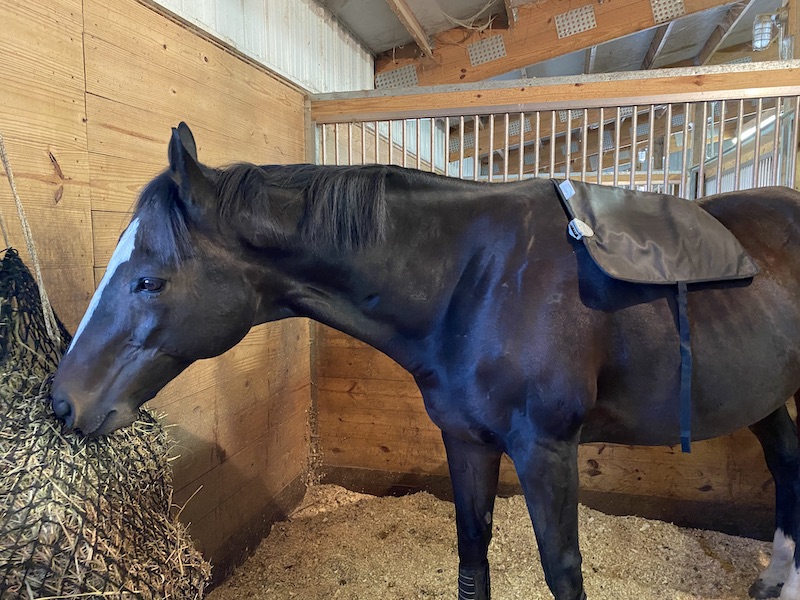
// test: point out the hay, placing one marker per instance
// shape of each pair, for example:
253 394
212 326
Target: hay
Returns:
79 517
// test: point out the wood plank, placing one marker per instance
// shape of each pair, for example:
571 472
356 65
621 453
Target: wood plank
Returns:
274 460
535 21
130 61
42 121
590 91
412 25
107 226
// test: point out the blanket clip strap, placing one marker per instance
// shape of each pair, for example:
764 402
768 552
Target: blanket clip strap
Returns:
686 369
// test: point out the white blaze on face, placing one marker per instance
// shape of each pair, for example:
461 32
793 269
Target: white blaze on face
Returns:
121 254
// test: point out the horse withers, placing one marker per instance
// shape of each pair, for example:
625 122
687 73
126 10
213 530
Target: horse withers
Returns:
518 342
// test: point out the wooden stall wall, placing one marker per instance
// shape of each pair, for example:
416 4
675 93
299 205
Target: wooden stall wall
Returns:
88 93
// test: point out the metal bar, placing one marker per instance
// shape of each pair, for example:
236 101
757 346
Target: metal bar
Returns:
391 141
419 143
447 146
757 144
521 145
650 135
793 144
350 143
491 147
552 143
667 141
324 130
634 146
720 145
737 168
600 145
505 148
776 142
363 143
377 143
617 127
476 170
683 192
584 136
336 143
433 145
701 170
403 144
536 150
461 147
568 147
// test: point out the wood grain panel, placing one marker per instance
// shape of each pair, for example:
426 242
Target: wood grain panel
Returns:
678 85
42 119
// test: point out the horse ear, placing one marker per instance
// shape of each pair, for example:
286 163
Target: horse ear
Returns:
187 138
184 167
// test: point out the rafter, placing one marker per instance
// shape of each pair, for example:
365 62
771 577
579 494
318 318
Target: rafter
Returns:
511 13
406 16
533 39
656 46
721 31
588 65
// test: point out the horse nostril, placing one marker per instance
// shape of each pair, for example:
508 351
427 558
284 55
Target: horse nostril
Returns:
63 409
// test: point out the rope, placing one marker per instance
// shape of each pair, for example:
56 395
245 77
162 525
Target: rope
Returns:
49 316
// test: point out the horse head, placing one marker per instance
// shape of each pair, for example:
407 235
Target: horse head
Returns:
174 291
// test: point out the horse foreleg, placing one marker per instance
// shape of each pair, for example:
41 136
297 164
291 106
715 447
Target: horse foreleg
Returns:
548 472
778 436
474 471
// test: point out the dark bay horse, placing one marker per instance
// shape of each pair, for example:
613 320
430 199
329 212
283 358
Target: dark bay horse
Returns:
518 342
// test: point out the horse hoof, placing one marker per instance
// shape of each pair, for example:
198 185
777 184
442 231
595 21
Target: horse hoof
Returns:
761 590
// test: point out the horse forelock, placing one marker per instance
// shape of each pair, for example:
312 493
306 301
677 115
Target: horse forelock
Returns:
164 229
344 207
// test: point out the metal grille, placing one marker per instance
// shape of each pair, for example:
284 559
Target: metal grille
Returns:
402 77
575 21
486 50
677 148
667 10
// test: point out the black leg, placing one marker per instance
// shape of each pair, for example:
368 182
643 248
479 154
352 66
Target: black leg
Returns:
778 436
474 471
548 472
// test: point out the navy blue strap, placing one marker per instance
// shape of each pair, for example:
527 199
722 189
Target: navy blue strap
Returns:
686 369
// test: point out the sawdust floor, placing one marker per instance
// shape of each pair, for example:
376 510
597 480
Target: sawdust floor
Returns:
347 546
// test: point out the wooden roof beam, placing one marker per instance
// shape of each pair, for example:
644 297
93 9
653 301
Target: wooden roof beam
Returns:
591 56
406 16
450 61
656 46
511 13
721 31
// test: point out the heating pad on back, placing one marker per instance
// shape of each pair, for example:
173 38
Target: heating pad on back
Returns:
644 237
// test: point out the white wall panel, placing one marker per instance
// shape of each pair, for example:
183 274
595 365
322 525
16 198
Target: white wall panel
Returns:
299 39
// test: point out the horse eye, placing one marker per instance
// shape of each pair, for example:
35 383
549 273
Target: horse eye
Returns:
149 284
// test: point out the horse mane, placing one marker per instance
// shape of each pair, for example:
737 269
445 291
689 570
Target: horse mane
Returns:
167 236
344 206
341 208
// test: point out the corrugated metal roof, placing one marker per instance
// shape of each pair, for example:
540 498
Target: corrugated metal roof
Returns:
298 39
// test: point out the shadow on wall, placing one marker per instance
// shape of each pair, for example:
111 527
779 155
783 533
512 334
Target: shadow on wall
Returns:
228 511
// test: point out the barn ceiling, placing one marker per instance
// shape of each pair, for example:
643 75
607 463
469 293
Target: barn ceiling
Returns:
423 42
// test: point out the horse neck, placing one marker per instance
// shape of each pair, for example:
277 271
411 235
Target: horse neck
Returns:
394 295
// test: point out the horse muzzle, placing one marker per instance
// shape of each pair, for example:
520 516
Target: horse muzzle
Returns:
91 418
